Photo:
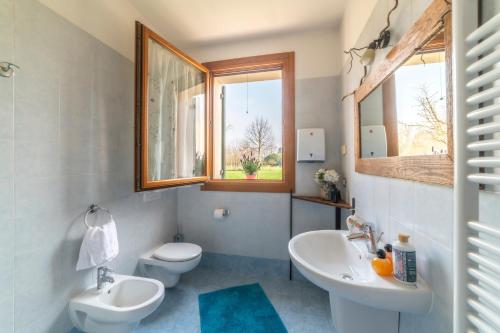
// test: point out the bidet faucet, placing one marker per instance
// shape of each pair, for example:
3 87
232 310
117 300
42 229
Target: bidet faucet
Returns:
103 277
367 233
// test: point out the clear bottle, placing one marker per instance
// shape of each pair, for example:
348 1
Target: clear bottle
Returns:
404 261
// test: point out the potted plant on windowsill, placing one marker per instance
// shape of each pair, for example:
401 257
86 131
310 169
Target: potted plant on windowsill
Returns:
250 166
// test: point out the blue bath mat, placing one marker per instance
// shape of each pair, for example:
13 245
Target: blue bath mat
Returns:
239 309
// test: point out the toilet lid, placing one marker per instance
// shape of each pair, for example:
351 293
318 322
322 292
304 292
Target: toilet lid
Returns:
177 252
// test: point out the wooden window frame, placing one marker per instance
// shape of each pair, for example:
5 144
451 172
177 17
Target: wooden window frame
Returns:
279 61
437 169
142 182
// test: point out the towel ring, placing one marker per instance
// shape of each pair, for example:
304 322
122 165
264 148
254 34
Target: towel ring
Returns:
93 209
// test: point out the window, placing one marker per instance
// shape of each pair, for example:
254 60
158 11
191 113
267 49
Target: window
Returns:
228 124
252 124
171 94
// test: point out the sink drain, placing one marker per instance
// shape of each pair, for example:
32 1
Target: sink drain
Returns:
346 276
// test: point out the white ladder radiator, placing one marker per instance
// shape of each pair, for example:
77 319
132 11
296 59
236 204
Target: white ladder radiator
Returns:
477 140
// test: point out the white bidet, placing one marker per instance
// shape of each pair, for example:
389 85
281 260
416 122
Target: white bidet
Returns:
118 307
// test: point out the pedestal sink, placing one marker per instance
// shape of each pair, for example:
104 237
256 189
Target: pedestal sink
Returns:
360 299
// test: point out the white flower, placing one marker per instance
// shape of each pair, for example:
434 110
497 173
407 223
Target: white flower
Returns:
326 177
331 176
319 176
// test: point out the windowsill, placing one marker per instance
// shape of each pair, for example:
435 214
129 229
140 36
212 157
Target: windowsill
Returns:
248 186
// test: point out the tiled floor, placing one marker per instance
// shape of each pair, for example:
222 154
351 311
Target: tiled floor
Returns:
302 306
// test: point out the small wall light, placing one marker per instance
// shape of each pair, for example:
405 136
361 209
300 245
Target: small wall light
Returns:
7 69
369 55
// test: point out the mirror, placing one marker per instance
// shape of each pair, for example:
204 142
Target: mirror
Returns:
403 109
406 115
172 93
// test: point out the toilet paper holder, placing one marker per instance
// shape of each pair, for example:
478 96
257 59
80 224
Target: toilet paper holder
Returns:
221 212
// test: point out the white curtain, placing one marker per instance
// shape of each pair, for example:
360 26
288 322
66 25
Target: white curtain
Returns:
174 94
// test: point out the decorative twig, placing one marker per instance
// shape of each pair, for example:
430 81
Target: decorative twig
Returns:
422 59
365 68
388 19
349 94
381 42
350 52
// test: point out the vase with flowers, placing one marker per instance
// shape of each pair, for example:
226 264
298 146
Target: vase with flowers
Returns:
328 179
250 166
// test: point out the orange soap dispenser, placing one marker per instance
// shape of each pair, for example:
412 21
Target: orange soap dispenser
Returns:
381 264
388 251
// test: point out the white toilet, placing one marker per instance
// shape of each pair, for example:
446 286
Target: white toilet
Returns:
169 261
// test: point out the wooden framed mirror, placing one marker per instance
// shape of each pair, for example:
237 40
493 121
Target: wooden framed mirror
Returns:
171 122
403 110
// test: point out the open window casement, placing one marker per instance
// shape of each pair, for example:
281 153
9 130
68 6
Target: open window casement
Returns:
186 135
171 115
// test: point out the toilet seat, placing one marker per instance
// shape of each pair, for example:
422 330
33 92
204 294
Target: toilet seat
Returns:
176 252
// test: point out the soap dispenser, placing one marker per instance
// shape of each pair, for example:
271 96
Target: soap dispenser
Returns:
353 221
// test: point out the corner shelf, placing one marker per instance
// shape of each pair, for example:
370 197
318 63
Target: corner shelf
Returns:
321 201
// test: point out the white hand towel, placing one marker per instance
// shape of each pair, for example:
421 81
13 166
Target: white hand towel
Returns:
99 245
111 248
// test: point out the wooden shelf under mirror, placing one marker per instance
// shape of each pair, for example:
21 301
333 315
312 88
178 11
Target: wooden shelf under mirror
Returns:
403 110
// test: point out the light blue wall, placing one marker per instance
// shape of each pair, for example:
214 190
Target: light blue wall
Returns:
66 140
259 222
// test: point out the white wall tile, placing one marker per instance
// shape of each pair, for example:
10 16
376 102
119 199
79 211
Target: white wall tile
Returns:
309 216
381 205
6 261
257 225
402 202
6 315
6 200
434 212
362 190
397 228
435 265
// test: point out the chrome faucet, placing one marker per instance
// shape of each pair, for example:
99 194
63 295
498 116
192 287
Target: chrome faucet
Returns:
103 277
367 233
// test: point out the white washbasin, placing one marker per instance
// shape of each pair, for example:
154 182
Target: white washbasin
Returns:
329 260
118 307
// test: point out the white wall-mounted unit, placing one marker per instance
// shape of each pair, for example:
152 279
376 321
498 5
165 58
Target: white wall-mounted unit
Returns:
373 141
311 145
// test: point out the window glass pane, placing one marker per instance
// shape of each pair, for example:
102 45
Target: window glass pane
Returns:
248 126
421 105
176 116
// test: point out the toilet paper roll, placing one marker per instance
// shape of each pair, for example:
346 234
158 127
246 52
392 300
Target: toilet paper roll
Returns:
220 213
